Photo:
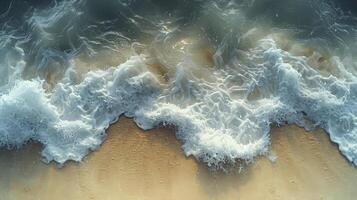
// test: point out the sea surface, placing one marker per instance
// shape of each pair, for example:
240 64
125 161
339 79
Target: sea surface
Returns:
221 72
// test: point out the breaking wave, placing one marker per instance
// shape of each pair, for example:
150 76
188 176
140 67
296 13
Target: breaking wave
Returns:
221 72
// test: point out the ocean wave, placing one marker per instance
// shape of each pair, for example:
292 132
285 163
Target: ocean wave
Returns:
221 78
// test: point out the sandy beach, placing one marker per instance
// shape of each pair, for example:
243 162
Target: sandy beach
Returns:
134 164
219 74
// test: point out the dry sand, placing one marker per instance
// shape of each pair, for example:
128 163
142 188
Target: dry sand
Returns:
133 164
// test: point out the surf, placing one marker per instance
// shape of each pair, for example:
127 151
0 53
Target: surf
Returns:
222 77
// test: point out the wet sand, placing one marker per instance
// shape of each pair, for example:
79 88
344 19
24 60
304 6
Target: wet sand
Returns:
133 164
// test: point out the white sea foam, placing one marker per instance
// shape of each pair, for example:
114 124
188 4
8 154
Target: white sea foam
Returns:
219 119
222 113
72 120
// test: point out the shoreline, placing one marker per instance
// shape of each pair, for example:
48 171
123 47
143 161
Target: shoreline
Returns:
137 164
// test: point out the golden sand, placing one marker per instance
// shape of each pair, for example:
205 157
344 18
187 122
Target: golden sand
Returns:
137 165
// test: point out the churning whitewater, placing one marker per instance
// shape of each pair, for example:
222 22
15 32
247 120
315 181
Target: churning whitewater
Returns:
222 76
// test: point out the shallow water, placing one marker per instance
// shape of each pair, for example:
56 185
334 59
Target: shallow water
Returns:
221 72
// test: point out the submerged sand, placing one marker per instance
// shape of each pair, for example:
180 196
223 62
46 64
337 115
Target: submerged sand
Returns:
133 164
